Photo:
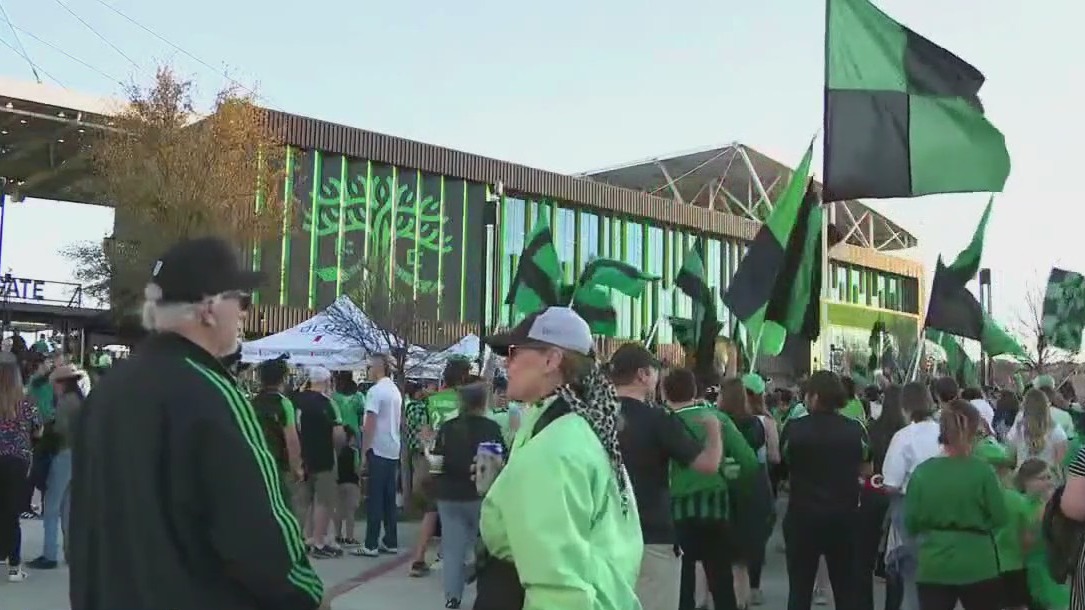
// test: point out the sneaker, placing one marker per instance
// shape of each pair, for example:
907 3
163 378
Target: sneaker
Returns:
388 550
452 603
16 575
364 552
757 598
42 563
323 552
351 542
419 569
29 515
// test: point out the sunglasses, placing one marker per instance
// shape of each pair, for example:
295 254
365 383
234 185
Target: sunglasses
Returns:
527 347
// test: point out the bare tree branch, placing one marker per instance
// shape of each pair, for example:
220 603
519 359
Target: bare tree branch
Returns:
172 174
1030 325
391 315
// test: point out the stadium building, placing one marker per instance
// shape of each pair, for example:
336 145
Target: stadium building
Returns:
426 209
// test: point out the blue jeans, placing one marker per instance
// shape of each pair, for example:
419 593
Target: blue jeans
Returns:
56 505
459 525
380 502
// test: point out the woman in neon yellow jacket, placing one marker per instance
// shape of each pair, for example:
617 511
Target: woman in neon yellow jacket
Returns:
559 524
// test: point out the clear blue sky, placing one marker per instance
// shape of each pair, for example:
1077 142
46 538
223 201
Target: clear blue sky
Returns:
569 86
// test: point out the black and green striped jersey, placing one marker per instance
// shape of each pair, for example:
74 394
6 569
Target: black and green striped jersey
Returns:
176 498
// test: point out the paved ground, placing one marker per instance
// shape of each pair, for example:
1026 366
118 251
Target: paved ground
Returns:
359 583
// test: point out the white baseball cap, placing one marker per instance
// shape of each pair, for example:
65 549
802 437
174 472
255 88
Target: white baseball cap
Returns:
558 326
319 374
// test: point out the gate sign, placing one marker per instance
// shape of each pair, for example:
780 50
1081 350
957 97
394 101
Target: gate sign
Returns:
26 289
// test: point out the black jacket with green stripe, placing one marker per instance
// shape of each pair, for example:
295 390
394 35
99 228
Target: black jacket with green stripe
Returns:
176 501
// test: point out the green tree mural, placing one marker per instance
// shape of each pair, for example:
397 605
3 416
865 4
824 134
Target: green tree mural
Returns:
388 216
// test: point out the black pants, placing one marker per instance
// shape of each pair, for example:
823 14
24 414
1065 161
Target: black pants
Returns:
13 483
755 564
982 595
809 537
706 541
872 510
894 592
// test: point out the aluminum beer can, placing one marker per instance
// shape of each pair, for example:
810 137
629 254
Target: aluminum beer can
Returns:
496 449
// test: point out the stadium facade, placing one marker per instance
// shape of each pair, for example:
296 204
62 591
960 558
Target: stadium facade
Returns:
360 194
423 208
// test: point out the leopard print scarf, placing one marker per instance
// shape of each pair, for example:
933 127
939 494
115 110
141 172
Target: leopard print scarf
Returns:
595 399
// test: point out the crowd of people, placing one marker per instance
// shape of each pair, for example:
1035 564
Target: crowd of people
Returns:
571 483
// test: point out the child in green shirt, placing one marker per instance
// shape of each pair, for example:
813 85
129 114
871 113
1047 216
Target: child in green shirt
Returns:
1035 482
1010 539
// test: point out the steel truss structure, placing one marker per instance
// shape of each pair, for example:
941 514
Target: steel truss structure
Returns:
42 132
742 181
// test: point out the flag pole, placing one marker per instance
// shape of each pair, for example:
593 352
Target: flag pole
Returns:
921 348
827 219
756 348
652 332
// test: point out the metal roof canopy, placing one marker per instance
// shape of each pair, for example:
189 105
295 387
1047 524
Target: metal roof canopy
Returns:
42 140
742 181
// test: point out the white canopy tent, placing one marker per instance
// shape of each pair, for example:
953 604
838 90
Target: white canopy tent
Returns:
317 342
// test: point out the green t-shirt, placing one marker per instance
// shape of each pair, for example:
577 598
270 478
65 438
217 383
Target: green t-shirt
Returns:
1009 538
348 408
854 409
954 506
42 395
686 481
443 406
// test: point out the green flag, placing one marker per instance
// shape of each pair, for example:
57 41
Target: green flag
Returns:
967 264
623 277
952 307
959 365
1064 309
593 304
535 285
997 342
692 279
770 290
903 116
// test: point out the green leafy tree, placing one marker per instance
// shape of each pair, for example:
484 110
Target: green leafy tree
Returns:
172 173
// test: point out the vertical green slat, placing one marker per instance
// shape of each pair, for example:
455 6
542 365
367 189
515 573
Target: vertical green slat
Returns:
441 251
500 247
487 250
314 225
259 205
288 210
392 229
368 216
463 257
646 317
340 236
417 228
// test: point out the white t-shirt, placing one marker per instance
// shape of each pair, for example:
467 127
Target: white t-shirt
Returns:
1055 438
911 446
385 402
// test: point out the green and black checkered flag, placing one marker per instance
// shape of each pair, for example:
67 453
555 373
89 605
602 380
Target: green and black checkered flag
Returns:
903 116
1064 309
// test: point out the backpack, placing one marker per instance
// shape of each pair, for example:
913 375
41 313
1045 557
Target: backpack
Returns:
1063 539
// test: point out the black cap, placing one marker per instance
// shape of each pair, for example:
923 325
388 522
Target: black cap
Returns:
630 358
195 269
